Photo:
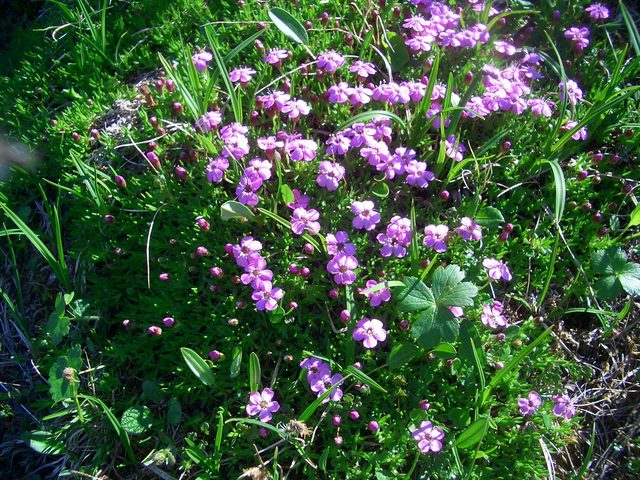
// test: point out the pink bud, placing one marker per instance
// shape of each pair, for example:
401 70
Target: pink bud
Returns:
181 172
293 305
308 248
168 322
216 272
338 440
154 331
127 324
305 272
120 181
333 293
424 405
171 86
109 219
228 248
357 366
215 355
336 420
294 269
164 277
345 316
354 415
373 426
202 252
203 224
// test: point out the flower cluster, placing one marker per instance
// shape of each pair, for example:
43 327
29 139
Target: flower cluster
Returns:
563 405
256 274
396 239
321 379
343 263
496 269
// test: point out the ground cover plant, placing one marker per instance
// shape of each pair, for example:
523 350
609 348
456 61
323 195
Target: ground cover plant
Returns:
320 240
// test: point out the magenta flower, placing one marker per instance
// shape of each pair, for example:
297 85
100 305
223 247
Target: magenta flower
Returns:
266 296
242 75
378 297
375 152
337 144
275 57
209 121
201 60
330 175
540 107
362 69
341 267
391 246
338 93
260 168
579 36
574 93
580 134
469 229
563 406
457 312
301 150
324 383
429 438
496 269
256 271
262 405
418 174
269 145
299 200
492 316
359 95
247 188
504 48
366 216
273 102
330 61
453 151
296 107
436 237
315 368
302 220
529 405
242 251
216 169
597 11
339 243
369 332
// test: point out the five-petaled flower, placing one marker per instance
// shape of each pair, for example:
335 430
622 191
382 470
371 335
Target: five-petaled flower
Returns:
429 438
370 332
262 405
529 406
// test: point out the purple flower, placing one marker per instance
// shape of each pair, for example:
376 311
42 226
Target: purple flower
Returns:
324 383
359 95
299 200
242 75
469 229
429 438
201 59
505 48
256 271
302 220
436 237
366 217
529 405
492 316
301 150
337 144
453 151
341 267
597 11
362 69
563 406
262 404
266 296
296 107
269 145
209 121
375 152
339 243
580 134
496 269
574 93
378 297
216 169
338 93
275 57
330 61
242 251
247 188
315 368
260 168
579 36
331 173
369 332
540 107
418 174
391 246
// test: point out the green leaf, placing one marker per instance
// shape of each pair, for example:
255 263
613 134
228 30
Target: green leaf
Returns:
63 374
287 194
399 55
136 419
233 209
560 188
635 217
57 327
236 363
416 296
152 391
473 434
254 372
370 115
304 416
629 278
608 261
444 350
608 287
449 290
401 354
43 442
287 24
489 217
634 35
277 315
198 366
435 325
174 412
364 378
380 189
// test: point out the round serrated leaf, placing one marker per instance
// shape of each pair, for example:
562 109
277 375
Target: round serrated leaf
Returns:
136 419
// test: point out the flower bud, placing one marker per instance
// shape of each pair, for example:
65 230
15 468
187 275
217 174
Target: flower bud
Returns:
169 322
308 248
305 272
109 219
333 294
233 322
215 355
294 269
120 181
202 224
336 420
373 426
424 405
127 324
354 415
216 272
164 277
154 331
293 305
202 252
345 316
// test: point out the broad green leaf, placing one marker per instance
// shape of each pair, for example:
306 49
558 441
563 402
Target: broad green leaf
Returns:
254 372
629 278
43 442
449 290
415 297
444 350
174 412
443 278
57 327
433 326
635 217
233 209
289 25
380 189
608 287
489 217
560 189
198 366
152 391
137 419
287 194
473 434
398 53
236 363
608 261
401 354
63 374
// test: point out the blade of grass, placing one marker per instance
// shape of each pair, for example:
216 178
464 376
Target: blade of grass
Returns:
634 36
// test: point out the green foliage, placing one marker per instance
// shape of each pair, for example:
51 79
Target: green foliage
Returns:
198 366
137 419
617 274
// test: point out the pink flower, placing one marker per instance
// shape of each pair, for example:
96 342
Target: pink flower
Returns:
337 144
323 383
366 217
275 57
580 134
529 405
359 95
574 93
256 271
469 229
579 36
362 69
247 188
436 237
453 151
418 174
339 243
262 404
242 251
496 269
540 107
301 150
597 11
216 169
296 107
338 93
341 267
299 200
429 438
369 332
266 296
330 61
242 75
563 407
201 60
457 312
260 168
331 173
315 368
492 316
305 220
505 48
378 297
209 121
